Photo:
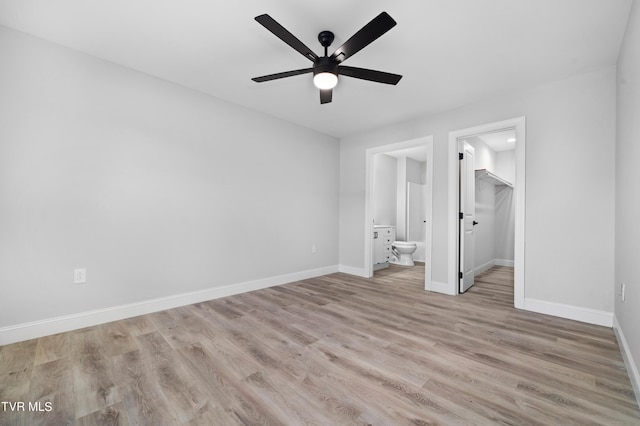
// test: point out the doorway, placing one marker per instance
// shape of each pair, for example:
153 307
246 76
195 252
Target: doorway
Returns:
424 145
462 227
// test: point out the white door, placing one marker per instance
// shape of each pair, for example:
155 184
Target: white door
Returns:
467 222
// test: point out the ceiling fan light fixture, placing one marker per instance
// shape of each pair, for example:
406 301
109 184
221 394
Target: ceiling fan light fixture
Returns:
325 68
325 80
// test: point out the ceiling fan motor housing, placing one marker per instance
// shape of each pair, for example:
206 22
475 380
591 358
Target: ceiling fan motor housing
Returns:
325 64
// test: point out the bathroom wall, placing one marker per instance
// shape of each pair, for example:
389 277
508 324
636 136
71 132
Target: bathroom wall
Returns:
409 170
385 171
416 173
401 205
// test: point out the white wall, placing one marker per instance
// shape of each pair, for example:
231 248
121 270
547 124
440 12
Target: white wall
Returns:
385 191
495 208
506 165
409 170
505 207
570 134
485 230
627 247
155 189
505 215
415 171
401 204
485 157
485 208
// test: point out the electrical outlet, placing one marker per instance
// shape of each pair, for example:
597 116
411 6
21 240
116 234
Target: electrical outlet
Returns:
622 289
313 248
79 276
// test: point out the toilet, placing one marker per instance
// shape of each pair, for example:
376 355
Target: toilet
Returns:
403 250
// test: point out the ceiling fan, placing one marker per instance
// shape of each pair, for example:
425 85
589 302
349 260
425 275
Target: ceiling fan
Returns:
327 68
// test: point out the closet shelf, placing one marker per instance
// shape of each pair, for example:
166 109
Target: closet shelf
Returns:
486 175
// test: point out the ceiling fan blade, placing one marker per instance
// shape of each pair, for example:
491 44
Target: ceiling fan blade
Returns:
281 75
326 95
283 34
367 34
371 75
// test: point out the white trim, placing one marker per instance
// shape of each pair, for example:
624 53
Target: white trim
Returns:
591 316
443 288
359 272
504 262
427 142
519 124
629 362
453 222
35 329
480 269
520 214
428 237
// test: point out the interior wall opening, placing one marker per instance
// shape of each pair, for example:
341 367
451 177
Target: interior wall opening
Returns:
487 170
398 206
487 202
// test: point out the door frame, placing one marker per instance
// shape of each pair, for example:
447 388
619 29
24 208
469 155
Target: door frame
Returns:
427 142
519 125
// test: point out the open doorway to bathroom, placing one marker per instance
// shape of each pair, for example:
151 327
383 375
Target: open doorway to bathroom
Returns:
398 203
487 203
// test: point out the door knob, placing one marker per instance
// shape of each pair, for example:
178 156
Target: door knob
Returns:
475 223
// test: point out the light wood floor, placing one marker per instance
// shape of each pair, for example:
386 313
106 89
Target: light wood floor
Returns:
331 351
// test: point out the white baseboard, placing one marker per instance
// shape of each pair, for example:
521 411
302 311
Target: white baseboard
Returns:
35 329
439 287
359 272
495 262
629 362
480 269
591 316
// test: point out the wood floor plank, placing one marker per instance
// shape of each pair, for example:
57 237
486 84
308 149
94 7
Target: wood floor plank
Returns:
93 375
51 348
110 416
53 382
336 349
225 391
18 357
142 400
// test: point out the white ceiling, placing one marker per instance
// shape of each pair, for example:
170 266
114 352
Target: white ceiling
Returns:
450 52
499 141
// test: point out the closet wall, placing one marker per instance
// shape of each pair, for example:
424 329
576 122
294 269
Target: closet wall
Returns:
505 209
